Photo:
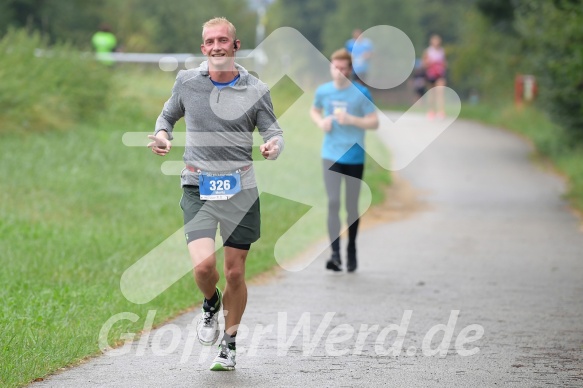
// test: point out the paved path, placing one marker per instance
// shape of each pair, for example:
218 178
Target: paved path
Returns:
495 242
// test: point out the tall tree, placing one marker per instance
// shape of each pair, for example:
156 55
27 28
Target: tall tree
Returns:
500 13
20 13
442 17
369 13
141 25
306 16
484 59
554 37
179 22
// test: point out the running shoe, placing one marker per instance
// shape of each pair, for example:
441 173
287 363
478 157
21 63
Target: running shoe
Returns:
351 261
207 329
225 360
334 264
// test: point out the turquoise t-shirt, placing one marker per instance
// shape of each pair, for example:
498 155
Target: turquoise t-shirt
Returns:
358 51
344 143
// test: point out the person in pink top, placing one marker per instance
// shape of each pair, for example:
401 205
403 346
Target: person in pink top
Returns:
435 65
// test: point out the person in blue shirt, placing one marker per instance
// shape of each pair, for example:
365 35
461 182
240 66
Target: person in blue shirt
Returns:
361 50
343 110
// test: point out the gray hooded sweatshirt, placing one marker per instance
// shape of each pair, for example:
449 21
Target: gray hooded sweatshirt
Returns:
220 123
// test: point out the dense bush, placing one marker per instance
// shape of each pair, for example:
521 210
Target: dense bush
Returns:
44 88
485 59
500 39
553 33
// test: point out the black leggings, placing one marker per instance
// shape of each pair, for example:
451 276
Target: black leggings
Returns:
333 174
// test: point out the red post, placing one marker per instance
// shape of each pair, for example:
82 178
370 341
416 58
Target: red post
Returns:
525 89
518 90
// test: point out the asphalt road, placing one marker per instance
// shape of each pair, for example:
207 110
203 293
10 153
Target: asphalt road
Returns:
481 287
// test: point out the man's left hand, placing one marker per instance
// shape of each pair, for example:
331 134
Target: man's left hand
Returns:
270 150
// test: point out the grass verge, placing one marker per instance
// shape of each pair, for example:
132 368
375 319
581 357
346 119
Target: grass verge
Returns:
47 89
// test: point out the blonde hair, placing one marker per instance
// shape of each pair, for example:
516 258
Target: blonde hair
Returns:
218 21
341 55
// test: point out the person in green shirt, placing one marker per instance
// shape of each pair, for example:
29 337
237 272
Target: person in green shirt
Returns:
104 42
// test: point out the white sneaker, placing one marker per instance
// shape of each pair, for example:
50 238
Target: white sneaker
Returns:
225 360
207 329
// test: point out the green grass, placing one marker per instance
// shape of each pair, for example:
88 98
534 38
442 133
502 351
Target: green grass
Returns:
548 139
47 92
77 208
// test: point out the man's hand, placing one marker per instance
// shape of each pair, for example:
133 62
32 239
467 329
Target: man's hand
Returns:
269 150
160 145
326 124
343 118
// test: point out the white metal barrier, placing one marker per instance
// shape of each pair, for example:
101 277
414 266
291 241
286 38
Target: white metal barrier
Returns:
181 58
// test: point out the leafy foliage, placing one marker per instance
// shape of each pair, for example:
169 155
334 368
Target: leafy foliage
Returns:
328 24
370 13
442 17
484 60
553 33
140 25
500 13
499 39
306 16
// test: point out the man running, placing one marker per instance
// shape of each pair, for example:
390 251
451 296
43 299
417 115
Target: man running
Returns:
343 110
361 50
222 104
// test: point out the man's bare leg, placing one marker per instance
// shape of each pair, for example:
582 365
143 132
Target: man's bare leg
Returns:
235 294
202 253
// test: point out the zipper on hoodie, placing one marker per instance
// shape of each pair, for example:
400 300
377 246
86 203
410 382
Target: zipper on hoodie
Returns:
221 89
219 93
